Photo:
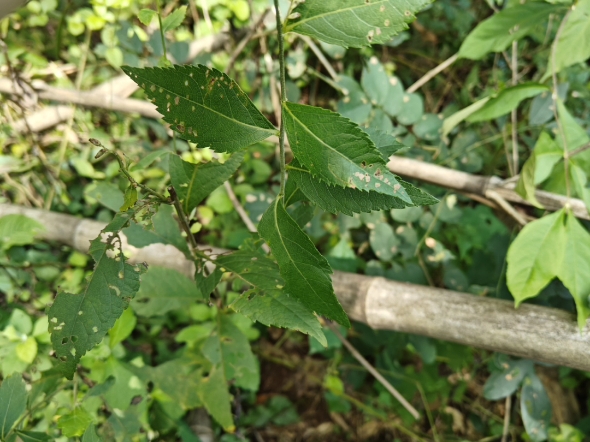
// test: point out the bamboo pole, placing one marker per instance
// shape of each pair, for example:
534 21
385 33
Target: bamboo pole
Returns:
531 331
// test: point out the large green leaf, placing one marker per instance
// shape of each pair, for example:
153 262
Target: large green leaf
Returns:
163 290
507 100
555 246
268 304
214 395
497 32
348 201
547 153
18 230
194 182
305 270
204 106
13 402
573 45
78 322
355 23
228 347
74 424
337 151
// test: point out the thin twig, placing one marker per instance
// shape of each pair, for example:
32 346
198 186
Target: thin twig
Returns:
507 412
495 196
579 150
396 394
242 44
283 98
432 73
320 55
515 159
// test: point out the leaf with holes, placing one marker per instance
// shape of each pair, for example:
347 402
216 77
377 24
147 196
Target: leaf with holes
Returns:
78 322
194 182
267 303
305 271
355 23
338 152
349 201
204 106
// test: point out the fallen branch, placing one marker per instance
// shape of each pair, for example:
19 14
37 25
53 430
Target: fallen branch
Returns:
533 332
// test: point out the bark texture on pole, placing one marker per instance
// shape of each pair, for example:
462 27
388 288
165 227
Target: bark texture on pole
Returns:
533 332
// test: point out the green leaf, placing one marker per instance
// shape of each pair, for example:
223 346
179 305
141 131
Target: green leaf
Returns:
575 136
174 20
268 304
349 201
547 154
535 255
204 106
75 423
535 408
130 198
375 82
122 328
453 121
507 100
165 231
412 109
355 23
386 143
505 382
526 181
146 16
163 290
213 393
179 380
497 32
13 402
106 194
305 270
32 436
580 181
194 182
228 347
206 284
573 45
78 322
90 435
383 241
556 246
337 151
18 230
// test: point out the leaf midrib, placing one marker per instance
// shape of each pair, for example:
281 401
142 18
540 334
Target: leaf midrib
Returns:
338 11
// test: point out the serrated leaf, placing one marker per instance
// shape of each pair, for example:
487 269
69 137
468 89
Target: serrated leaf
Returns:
163 290
505 101
337 151
305 271
354 23
573 45
13 402
228 347
349 201
214 395
206 284
130 198
497 32
173 20
78 322
33 436
18 230
165 231
194 182
273 306
535 408
204 106
75 423
386 143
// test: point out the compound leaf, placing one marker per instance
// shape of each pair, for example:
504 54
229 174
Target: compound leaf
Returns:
337 151
497 32
354 23
78 322
267 303
13 402
305 270
204 106
348 201
194 182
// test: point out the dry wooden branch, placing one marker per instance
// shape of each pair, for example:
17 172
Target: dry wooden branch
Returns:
534 332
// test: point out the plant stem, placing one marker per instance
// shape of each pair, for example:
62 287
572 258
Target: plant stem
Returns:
283 98
132 180
194 247
161 30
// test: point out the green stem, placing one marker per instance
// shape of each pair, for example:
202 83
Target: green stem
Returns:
161 30
283 98
194 247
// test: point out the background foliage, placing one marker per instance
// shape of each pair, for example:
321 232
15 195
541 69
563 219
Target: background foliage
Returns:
174 351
